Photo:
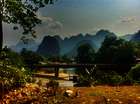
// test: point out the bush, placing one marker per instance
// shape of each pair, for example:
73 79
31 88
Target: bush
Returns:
127 80
86 80
8 57
12 77
31 59
134 74
52 87
83 83
110 78
12 72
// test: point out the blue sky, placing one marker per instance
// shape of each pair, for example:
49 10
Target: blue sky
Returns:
70 17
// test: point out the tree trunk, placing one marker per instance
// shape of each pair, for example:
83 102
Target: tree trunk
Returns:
1 28
56 72
1 34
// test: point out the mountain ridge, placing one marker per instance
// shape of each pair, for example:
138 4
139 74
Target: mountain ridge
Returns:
67 44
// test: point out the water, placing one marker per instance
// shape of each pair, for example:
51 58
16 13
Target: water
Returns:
71 72
68 70
66 84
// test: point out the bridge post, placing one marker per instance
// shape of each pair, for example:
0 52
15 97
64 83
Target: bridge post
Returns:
56 72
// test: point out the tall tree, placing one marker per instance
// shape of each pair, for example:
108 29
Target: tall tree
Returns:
116 55
22 12
85 55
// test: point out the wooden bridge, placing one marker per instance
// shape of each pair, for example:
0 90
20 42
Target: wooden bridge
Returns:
63 65
57 66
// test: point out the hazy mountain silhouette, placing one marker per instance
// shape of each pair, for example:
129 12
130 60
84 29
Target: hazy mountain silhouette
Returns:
55 45
30 45
127 37
73 52
136 36
100 36
69 43
49 47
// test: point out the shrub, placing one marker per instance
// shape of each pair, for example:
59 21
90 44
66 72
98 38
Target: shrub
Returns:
52 87
53 83
134 74
83 83
8 57
12 77
31 58
110 78
127 80
12 72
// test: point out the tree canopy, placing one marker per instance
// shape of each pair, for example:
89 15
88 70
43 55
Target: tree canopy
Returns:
118 53
21 13
30 58
85 54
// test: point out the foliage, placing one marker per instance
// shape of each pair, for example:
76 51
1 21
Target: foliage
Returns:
22 12
53 83
8 57
12 77
127 80
52 87
65 59
104 54
134 74
30 58
110 78
85 55
136 48
54 58
12 72
83 82
116 52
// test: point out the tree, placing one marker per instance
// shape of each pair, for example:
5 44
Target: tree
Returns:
8 57
22 12
85 55
31 58
116 55
136 48
107 49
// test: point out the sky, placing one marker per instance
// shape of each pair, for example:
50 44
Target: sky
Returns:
71 17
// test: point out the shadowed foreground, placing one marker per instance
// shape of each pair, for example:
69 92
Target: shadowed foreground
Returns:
33 94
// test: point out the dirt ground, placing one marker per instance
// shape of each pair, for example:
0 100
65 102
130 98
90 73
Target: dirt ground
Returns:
110 95
86 95
105 94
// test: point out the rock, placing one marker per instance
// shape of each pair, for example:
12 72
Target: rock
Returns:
69 92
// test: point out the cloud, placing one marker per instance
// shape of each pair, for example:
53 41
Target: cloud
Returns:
55 25
125 25
127 19
48 26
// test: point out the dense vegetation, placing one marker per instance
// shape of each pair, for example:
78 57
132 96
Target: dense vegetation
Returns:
13 74
115 62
